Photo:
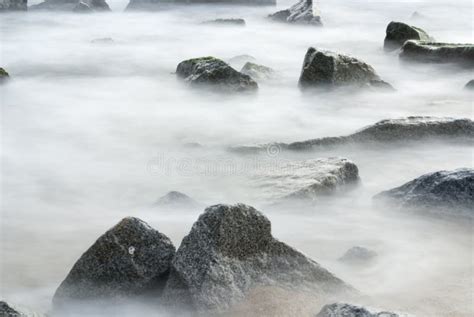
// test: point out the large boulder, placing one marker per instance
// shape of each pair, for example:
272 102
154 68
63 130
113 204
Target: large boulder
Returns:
130 259
73 5
449 191
348 310
434 52
398 33
257 72
230 252
300 13
325 69
13 5
213 72
4 76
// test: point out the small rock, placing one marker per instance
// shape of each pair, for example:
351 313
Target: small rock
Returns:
13 5
328 70
175 198
130 259
227 22
4 76
358 255
470 85
398 33
348 310
229 252
257 72
216 73
452 191
434 52
299 13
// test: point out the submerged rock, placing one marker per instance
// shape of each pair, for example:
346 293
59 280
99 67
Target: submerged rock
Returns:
130 259
348 310
229 252
231 22
13 5
3 75
257 72
398 33
328 70
358 255
434 52
299 13
216 73
73 5
175 198
452 191
470 85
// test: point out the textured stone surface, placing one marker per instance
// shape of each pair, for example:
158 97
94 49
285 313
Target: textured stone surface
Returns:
326 69
73 5
215 73
398 33
358 254
433 52
7 311
348 310
13 5
230 22
257 72
130 259
450 190
300 13
229 252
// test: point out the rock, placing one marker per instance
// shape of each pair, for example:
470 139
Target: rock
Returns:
130 259
299 13
358 255
229 252
227 22
329 70
104 40
452 191
433 52
307 180
7 311
216 73
239 61
470 85
257 72
73 5
13 5
176 199
417 15
348 310
4 76
398 33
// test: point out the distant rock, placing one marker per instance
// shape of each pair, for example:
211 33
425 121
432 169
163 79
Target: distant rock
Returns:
229 252
358 255
398 33
324 69
240 60
417 15
470 85
348 310
13 5
215 73
299 13
175 198
130 259
434 52
226 22
448 190
257 72
79 6
104 40
4 76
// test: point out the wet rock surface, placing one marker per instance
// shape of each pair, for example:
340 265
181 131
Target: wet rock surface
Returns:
213 72
358 254
13 5
300 13
130 259
257 72
80 6
434 52
231 251
325 69
348 310
398 33
448 190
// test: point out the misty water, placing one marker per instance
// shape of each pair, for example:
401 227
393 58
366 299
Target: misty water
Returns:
94 132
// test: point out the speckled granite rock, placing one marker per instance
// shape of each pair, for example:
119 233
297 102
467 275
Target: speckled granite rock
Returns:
229 252
348 310
398 33
434 52
300 13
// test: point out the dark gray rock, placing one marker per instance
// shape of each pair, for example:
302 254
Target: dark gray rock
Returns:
4 76
131 259
452 191
226 22
300 13
470 85
7 311
257 72
324 69
79 6
434 52
215 73
229 252
176 199
358 255
348 310
398 33
13 5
